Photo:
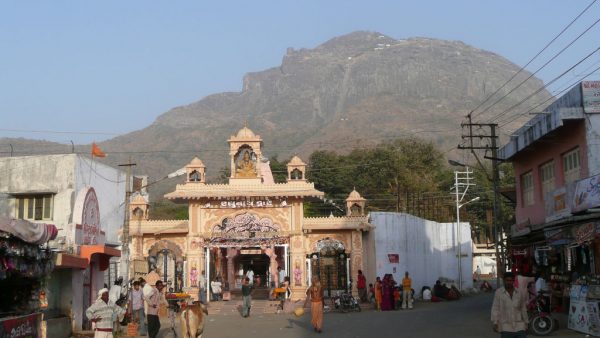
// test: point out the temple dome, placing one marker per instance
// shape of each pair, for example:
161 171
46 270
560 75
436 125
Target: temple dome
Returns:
245 132
296 161
196 162
354 196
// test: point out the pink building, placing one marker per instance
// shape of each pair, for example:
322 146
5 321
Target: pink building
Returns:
556 160
553 151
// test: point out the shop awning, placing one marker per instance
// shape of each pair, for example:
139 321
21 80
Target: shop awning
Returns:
65 261
104 254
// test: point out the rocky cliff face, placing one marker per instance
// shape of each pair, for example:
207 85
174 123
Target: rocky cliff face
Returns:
352 91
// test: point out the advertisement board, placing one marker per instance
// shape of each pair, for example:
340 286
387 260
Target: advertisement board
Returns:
590 91
587 194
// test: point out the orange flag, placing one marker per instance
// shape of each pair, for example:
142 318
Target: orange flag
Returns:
96 151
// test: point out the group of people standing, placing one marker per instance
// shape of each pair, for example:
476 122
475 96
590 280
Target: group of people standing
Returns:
385 293
106 313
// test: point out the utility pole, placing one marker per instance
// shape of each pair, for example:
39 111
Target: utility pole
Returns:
488 142
125 236
462 182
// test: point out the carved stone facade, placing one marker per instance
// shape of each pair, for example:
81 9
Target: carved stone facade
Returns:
252 224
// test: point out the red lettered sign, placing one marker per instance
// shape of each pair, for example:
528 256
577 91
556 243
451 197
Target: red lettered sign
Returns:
20 327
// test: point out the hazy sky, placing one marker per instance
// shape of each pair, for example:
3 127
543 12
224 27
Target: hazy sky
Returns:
114 66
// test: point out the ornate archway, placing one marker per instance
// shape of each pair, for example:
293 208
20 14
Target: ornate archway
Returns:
167 258
329 262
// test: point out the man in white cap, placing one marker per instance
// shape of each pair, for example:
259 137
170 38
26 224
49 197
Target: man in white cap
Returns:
101 313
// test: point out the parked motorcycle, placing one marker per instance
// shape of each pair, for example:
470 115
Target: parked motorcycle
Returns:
541 322
345 302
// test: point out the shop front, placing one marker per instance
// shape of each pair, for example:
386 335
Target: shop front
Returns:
25 265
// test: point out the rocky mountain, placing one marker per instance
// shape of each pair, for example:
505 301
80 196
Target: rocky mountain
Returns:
352 91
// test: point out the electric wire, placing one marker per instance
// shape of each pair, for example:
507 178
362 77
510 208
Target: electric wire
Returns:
538 70
535 57
505 122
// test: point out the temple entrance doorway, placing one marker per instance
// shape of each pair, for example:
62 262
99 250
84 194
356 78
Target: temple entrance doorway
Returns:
253 259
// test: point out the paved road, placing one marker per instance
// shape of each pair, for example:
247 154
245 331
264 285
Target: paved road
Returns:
468 317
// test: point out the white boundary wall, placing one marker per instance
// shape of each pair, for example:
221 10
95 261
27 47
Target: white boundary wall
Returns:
426 249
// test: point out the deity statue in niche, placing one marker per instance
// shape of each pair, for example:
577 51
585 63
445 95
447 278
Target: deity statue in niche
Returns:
193 276
297 274
246 164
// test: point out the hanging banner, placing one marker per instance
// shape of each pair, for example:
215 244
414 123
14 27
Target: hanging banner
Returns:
587 194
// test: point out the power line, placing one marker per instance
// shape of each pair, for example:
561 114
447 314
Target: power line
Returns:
533 58
539 69
513 118
549 83
58 132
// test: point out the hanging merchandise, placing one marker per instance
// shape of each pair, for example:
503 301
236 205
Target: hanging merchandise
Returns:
24 267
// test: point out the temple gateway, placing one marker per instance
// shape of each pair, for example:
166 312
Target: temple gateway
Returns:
250 223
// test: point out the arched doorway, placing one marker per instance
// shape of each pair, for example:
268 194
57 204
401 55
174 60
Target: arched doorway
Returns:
330 263
166 258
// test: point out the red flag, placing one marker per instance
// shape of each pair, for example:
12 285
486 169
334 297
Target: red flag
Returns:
96 151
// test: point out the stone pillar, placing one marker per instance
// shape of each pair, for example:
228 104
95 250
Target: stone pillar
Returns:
298 267
231 254
356 259
274 276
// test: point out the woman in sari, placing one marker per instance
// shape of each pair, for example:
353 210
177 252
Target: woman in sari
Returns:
315 293
386 301
378 291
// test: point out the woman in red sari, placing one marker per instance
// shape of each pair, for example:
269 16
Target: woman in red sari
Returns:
387 295
315 293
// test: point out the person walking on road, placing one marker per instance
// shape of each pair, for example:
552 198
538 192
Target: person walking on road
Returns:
137 303
154 301
406 291
202 288
509 310
247 298
102 313
361 285
315 293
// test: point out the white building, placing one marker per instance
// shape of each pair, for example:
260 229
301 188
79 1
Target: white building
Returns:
426 249
85 200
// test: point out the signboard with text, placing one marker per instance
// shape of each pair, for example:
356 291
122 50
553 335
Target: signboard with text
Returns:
587 194
557 203
590 91
20 327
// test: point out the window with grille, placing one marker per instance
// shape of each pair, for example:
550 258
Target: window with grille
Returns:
527 188
547 178
34 207
571 166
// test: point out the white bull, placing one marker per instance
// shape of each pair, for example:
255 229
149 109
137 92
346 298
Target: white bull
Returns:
192 320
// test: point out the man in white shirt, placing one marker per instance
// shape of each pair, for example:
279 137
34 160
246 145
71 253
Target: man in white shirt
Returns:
250 274
215 285
281 274
509 310
103 313
116 291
